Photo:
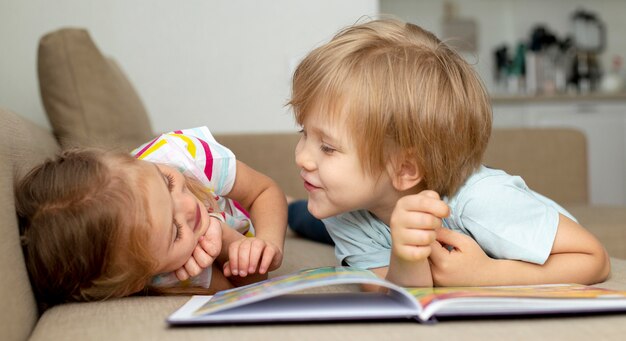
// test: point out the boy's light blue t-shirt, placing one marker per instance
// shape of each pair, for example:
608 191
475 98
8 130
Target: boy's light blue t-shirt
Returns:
498 210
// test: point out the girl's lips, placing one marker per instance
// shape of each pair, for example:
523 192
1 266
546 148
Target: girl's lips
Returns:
198 217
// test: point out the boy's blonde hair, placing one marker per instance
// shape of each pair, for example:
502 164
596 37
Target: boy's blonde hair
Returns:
403 94
85 226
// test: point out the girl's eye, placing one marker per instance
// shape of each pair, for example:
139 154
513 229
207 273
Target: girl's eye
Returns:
302 132
326 149
170 181
179 230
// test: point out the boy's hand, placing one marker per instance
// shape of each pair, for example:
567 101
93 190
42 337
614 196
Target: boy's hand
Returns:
208 248
458 260
247 254
413 223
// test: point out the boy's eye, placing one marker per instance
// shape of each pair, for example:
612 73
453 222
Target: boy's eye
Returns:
179 230
326 149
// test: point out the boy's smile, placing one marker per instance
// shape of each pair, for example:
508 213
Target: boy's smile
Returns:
333 174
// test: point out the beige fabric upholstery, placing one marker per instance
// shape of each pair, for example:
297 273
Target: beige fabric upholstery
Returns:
265 153
553 162
22 144
87 97
142 319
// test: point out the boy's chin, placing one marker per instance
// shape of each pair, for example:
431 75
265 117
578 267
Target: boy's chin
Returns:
319 213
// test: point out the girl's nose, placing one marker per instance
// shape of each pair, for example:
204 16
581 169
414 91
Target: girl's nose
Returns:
185 205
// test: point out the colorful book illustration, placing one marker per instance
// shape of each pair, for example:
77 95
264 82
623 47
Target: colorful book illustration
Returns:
281 299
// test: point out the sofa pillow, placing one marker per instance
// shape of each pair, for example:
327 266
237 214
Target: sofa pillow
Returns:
87 98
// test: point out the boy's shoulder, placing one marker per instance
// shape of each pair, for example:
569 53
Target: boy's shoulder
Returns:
488 182
485 177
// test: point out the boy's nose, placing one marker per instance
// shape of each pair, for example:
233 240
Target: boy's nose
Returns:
303 157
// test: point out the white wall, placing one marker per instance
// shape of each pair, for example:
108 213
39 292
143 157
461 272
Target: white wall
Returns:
510 21
219 63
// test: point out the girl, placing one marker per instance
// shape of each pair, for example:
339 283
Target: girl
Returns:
394 127
100 224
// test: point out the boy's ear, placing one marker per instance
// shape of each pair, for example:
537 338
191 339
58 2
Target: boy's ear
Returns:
405 175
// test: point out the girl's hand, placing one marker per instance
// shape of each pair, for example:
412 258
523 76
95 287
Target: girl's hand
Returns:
413 223
457 260
247 254
208 248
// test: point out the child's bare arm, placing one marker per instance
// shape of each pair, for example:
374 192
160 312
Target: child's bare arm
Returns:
413 223
576 257
231 237
267 206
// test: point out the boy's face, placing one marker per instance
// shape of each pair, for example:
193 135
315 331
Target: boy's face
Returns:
334 176
178 217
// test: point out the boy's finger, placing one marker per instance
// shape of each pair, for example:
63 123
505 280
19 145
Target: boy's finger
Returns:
454 239
431 194
427 202
413 253
437 253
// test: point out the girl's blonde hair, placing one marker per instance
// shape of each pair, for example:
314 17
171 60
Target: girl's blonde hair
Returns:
403 94
85 226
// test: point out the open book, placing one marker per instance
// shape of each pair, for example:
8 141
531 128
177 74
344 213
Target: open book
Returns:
278 300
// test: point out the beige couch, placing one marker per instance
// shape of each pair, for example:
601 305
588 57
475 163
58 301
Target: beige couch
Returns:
23 144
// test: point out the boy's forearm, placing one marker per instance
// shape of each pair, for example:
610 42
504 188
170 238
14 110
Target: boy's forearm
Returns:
409 273
560 268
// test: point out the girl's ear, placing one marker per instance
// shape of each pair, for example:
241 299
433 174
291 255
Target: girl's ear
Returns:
405 174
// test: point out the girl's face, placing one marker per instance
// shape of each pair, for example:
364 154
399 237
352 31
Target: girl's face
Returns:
334 176
178 217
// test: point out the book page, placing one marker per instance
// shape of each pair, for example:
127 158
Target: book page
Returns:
298 281
552 298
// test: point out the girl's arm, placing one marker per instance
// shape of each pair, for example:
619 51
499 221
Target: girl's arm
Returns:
230 237
576 257
267 206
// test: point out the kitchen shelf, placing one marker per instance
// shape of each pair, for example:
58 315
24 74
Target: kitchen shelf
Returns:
510 99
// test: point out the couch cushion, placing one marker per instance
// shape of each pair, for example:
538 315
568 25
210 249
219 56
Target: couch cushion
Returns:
87 97
552 161
22 145
607 223
143 318
270 154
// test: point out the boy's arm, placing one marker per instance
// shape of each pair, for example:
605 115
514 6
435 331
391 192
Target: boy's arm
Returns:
267 206
413 223
576 257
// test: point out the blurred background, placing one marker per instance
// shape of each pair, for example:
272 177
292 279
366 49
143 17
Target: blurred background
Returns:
228 64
